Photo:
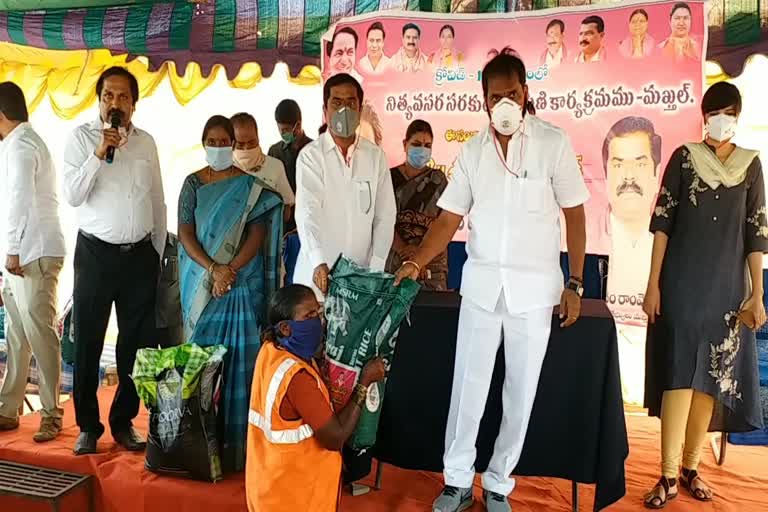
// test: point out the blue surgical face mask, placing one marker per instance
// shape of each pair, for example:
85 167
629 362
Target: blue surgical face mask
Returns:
419 156
305 338
219 159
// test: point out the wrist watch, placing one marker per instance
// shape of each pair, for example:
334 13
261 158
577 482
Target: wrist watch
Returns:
575 285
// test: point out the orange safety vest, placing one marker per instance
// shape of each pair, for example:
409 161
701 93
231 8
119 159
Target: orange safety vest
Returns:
286 469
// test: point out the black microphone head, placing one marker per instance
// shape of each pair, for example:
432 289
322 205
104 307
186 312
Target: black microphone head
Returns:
116 118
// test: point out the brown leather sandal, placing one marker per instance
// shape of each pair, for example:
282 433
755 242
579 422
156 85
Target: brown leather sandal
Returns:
664 491
695 485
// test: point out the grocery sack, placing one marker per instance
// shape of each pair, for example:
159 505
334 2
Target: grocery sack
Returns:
363 310
180 388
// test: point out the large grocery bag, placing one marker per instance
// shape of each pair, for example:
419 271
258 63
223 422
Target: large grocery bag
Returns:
180 387
363 310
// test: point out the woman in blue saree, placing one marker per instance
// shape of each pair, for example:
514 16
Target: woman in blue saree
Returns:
230 227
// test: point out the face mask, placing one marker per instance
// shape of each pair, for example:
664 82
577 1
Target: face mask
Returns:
344 122
419 157
249 159
721 127
289 137
305 338
506 117
219 159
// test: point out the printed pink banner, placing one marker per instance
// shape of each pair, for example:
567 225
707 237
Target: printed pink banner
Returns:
624 81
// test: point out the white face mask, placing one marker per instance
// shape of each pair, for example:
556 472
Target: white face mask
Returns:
506 117
721 127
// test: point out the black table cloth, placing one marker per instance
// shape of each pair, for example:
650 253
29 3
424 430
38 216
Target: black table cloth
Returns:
577 430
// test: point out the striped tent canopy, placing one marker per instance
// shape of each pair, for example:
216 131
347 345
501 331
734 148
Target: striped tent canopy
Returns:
233 32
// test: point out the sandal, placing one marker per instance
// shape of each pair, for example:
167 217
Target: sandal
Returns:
665 490
695 485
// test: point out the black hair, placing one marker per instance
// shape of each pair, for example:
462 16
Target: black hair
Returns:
553 23
119 71
282 307
341 79
595 20
344 30
448 27
680 5
639 11
720 96
287 112
219 122
323 128
628 126
503 65
418 126
12 102
243 118
411 26
376 25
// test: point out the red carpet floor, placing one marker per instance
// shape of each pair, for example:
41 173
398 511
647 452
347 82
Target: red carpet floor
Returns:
124 486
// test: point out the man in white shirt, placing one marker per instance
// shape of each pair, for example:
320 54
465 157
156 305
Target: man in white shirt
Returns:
34 250
511 181
112 177
345 203
591 35
556 52
632 163
251 159
375 61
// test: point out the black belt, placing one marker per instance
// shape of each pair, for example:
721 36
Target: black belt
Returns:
120 247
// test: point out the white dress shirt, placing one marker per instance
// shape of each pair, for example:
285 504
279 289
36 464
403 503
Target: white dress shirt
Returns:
30 205
272 172
343 206
366 66
514 222
121 202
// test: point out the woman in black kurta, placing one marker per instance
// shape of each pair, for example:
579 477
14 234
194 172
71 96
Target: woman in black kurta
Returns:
709 229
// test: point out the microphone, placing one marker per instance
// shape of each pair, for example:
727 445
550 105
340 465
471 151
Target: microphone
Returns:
115 120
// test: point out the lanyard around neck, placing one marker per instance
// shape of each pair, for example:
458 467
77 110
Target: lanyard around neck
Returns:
503 160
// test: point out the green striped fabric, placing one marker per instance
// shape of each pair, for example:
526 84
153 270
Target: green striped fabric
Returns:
317 15
268 20
181 27
136 28
224 26
184 26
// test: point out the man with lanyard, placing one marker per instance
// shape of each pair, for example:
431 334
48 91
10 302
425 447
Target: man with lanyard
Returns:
112 177
511 181
345 203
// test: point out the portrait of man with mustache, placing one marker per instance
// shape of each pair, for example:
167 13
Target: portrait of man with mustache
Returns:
632 163
591 35
409 58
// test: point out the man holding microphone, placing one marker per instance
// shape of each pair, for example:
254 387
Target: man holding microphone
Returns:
511 181
112 177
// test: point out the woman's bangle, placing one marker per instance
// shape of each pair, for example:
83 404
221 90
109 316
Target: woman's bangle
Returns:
411 262
359 395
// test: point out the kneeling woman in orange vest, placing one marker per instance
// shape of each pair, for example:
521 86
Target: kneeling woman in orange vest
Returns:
293 462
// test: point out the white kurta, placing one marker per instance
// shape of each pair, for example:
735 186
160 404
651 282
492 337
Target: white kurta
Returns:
511 281
342 207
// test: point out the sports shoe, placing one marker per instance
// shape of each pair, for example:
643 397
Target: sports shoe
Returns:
453 499
496 502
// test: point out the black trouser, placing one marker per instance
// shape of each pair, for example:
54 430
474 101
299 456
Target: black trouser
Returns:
107 274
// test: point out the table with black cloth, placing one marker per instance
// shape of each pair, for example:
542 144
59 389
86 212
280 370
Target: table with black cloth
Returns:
577 430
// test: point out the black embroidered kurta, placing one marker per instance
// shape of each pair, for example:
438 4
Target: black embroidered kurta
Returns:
696 342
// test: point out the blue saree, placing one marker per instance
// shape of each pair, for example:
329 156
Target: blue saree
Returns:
221 213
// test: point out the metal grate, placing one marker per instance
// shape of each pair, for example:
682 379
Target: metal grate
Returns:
41 483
